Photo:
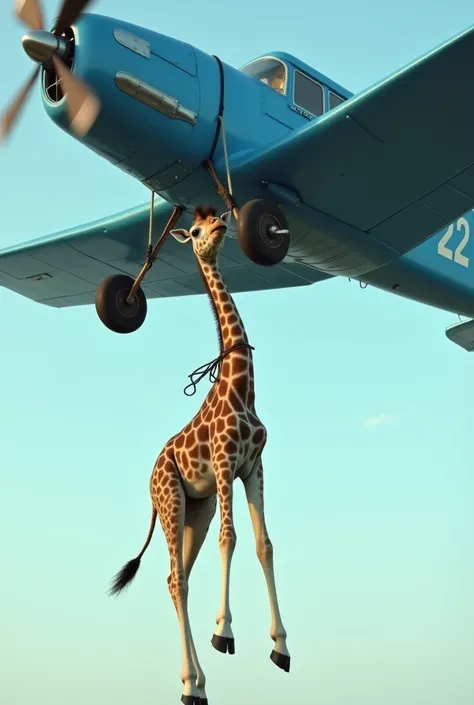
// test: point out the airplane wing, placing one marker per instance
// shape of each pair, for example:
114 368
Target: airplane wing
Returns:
64 269
395 161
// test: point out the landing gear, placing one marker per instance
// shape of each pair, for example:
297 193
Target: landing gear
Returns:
120 301
263 232
262 229
114 306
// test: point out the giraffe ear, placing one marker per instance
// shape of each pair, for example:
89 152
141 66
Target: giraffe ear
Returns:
181 235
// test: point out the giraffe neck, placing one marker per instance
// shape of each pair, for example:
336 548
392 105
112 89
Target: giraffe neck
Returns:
230 327
237 368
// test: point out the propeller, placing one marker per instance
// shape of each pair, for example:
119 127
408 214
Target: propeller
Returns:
49 49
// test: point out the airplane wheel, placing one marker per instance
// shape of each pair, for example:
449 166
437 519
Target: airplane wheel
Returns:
112 307
263 233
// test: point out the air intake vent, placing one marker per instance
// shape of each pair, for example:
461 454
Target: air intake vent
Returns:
51 80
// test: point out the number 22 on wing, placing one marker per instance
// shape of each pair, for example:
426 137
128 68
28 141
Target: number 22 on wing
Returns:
462 226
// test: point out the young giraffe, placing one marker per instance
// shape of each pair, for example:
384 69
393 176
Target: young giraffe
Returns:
224 441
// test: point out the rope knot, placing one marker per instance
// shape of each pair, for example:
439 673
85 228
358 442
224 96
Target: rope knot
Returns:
212 368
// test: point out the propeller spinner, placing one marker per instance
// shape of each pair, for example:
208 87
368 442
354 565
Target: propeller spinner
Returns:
40 45
46 48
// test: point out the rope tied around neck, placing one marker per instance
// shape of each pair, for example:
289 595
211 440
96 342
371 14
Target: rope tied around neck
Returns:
212 368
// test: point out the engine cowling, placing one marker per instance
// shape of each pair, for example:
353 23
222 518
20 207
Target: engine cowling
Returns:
152 123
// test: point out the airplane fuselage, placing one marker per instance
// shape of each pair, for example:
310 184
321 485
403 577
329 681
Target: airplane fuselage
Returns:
161 100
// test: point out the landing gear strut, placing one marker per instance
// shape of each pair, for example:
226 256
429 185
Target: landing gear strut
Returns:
120 301
262 229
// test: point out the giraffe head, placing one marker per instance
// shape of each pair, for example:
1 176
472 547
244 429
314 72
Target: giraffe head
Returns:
206 233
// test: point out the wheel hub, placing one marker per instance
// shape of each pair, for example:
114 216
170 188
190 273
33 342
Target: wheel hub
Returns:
127 306
270 231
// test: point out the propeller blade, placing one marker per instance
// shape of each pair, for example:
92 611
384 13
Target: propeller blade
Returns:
11 115
70 11
30 13
83 105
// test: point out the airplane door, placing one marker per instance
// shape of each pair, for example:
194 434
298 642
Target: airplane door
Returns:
276 106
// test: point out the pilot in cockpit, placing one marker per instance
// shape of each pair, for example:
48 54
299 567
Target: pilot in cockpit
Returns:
277 79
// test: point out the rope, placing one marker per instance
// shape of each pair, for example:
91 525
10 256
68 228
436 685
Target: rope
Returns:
150 225
221 107
226 157
225 194
211 368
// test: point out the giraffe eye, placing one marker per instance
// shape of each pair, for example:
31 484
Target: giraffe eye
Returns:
195 232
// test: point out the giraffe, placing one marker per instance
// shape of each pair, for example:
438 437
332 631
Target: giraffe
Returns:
196 469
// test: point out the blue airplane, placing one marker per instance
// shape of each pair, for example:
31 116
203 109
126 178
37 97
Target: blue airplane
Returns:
316 182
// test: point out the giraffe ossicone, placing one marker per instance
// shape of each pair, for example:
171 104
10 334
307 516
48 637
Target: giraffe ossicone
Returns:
197 467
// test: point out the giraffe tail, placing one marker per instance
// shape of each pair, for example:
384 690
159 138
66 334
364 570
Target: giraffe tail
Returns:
125 576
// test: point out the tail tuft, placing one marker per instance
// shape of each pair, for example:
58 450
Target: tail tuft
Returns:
125 576
129 571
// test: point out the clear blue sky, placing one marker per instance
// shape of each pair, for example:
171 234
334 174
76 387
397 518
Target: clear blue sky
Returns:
372 525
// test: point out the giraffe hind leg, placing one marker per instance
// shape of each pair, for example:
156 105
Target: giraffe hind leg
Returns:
170 502
198 517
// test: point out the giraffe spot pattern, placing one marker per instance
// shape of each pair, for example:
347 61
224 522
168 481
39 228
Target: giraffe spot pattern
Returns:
224 436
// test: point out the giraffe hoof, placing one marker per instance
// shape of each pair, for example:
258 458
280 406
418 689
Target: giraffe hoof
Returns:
281 660
192 700
223 644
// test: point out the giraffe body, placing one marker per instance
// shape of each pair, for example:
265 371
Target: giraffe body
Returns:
197 467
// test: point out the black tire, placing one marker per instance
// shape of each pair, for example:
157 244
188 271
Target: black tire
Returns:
253 231
112 307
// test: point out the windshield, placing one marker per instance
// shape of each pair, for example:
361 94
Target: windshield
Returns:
269 71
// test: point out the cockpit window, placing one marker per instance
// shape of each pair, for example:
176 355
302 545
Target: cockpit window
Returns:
270 71
335 100
308 94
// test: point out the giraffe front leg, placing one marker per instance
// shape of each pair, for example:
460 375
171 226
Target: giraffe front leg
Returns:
223 638
254 491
